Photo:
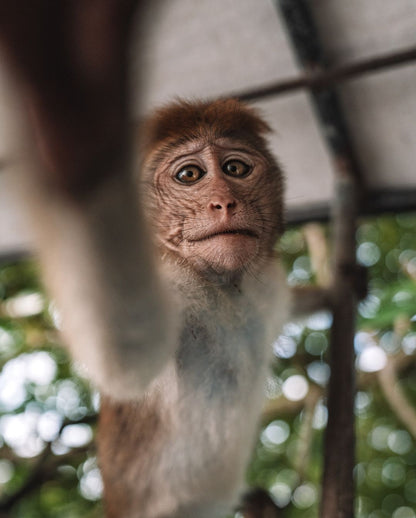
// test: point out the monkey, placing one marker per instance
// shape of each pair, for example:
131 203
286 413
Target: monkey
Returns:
168 287
213 195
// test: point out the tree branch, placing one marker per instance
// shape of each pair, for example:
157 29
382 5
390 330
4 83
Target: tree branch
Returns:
395 397
44 469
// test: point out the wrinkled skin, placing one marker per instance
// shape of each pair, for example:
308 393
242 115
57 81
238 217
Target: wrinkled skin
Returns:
221 223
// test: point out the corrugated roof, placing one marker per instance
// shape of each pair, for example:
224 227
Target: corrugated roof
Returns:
215 48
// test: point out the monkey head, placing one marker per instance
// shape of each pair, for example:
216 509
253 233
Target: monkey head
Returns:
213 191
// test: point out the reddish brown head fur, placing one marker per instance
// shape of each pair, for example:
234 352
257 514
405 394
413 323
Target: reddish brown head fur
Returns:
183 121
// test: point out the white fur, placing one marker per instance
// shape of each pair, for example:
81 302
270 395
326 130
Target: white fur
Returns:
212 394
95 276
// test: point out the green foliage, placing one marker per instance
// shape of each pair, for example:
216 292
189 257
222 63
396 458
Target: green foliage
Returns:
48 412
45 461
386 459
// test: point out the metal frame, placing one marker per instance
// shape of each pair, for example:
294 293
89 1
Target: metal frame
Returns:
338 490
316 79
339 449
319 78
377 201
321 81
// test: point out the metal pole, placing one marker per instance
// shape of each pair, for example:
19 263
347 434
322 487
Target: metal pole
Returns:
331 77
339 455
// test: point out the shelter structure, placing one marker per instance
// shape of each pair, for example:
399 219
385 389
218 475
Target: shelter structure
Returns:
258 50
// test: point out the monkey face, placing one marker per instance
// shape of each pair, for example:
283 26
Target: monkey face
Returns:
218 205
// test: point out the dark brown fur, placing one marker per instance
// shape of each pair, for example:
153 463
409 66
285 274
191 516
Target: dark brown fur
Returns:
126 433
183 121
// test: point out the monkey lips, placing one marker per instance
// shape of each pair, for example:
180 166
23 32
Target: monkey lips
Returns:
224 250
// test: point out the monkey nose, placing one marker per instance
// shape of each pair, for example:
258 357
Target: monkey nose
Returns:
222 205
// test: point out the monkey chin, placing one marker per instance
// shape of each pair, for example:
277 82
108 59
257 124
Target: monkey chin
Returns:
226 256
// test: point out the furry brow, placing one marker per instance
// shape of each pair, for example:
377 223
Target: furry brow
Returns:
183 121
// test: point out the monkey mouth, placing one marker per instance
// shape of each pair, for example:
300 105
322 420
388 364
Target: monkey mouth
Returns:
234 232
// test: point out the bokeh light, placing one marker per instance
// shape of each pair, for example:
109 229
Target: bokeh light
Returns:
295 387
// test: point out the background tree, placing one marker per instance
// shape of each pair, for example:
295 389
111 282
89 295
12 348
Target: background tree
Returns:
48 466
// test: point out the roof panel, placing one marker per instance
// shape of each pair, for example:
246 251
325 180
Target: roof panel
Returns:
309 180
381 114
214 47
354 29
208 48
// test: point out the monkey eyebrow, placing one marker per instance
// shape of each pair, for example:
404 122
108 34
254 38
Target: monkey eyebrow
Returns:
241 149
180 157
162 155
249 152
246 150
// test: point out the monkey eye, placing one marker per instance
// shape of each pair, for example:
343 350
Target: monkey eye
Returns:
236 168
189 174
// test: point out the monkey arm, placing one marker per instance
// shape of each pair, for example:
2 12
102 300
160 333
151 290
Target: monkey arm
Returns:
98 265
76 184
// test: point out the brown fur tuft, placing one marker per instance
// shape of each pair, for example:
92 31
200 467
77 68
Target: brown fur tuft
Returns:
182 121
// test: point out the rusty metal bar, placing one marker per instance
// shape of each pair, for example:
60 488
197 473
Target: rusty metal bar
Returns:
320 79
339 454
338 489
377 201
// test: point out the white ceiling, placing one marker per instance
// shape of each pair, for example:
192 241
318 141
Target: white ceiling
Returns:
208 48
